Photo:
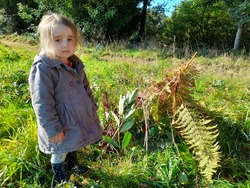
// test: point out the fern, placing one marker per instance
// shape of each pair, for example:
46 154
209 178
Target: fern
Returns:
173 96
201 138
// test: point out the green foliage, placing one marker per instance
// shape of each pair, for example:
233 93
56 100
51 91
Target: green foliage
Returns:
124 121
126 140
98 20
8 54
18 116
183 179
240 11
155 24
21 158
15 83
12 22
193 24
201 138
110 19
199 23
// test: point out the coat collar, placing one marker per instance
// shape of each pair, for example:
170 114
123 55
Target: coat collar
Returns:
55 63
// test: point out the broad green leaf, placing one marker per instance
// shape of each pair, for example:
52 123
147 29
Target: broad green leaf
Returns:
183 179
132 96
129 115
127 125
153 131
116 119
121 105
110 141
126 139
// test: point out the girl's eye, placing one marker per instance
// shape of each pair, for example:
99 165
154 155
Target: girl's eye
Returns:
57 40
70 39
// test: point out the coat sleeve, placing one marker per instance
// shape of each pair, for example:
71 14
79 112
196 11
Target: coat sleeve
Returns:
42 96
87 88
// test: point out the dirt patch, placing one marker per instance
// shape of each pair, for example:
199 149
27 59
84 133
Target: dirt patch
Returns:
125 59
20 45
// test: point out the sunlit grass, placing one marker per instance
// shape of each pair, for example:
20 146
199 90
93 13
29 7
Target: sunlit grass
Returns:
21 160
224 84
222 88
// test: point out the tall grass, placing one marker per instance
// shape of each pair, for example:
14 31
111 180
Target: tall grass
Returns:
226 80
222 89
21 161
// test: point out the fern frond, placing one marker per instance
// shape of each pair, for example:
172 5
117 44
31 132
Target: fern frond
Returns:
173 96
201 139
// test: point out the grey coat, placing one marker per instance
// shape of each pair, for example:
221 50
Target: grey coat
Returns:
63 101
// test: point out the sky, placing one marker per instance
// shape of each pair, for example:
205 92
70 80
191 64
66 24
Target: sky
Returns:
170 5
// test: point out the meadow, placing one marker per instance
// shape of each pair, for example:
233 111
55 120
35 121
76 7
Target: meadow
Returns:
155 156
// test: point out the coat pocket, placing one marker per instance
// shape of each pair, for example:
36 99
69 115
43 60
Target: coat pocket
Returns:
65 115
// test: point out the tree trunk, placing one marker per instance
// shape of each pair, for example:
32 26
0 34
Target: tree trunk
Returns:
237 38
143 19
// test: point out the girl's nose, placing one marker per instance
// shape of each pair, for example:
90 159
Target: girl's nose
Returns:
65 43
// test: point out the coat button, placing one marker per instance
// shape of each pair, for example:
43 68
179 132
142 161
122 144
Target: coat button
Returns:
79 82
72 84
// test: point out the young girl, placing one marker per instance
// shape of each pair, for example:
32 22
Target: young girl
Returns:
61 97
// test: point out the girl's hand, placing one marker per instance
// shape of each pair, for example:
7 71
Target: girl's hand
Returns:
57 138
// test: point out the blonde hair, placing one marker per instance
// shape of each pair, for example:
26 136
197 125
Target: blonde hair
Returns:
46 30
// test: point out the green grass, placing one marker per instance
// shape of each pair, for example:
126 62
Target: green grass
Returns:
222 88
226 89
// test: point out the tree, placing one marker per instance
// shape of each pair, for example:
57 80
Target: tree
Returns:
12 22
107 19
155 23
143 18
111 19
200 23
32 14
98 20
240 12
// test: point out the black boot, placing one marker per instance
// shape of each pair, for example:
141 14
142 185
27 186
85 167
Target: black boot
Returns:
61 172
73 165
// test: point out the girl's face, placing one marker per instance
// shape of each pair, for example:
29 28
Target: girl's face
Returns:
64 44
